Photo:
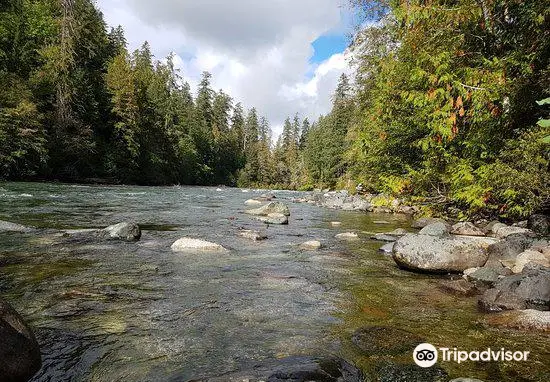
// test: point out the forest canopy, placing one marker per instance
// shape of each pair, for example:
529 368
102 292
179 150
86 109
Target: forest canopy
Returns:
449 103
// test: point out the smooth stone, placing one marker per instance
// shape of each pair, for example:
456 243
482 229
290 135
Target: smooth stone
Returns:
528 320
19 351
188 244
530 256
252 235
440 254
423 222
502 231
13 227
387 248
458 287
270 208
311 245
466 228
436 229
274 218
124 231
253 203
347 236
378 340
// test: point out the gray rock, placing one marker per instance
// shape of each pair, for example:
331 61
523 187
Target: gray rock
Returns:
502 231
507 250
466 228
295 369
312 245
188 244
529 289
483 277
435 229
440 254
19 352
124 231
423 222
270 208
274 218
540 224
385 237
13 227
252 235
387 248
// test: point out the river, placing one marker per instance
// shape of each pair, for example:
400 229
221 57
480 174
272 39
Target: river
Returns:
113 311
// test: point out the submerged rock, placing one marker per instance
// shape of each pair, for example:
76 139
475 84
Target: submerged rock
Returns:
270 208
380 340
311 245
390 236
13 227
529 319
387 248
440 254
295 369
274 218
252 235
467 229
19 352
458 287
483 277
124 231
188 244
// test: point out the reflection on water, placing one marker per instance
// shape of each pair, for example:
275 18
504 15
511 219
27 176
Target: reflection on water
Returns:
105 311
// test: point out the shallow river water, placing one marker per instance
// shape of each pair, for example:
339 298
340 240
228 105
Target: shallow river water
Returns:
110 311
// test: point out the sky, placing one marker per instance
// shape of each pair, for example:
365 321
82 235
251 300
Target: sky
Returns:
281 56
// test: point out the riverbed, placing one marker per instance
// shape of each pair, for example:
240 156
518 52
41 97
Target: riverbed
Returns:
110 311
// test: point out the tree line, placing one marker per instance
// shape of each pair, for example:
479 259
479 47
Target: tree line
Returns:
442 107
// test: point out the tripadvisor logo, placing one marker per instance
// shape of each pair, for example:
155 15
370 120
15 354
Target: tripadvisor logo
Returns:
426 355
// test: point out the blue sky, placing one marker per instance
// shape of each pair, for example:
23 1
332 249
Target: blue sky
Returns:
328 45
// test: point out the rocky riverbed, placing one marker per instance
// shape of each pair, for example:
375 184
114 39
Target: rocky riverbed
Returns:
190 287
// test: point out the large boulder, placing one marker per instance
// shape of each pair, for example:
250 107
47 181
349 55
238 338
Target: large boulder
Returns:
188 244
273 218
295 369
123 231
502 231
527 290
540 224
19 352
466 229
440 254
270 208
13 227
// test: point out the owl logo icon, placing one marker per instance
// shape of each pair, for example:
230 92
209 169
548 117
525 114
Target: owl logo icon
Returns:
425 355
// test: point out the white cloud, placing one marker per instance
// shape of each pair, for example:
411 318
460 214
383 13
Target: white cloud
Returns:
258 51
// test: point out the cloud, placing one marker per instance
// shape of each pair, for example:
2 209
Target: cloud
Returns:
258 51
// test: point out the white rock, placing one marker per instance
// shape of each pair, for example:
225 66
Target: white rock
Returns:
530 257
347 236
311 245
253 203
188 244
